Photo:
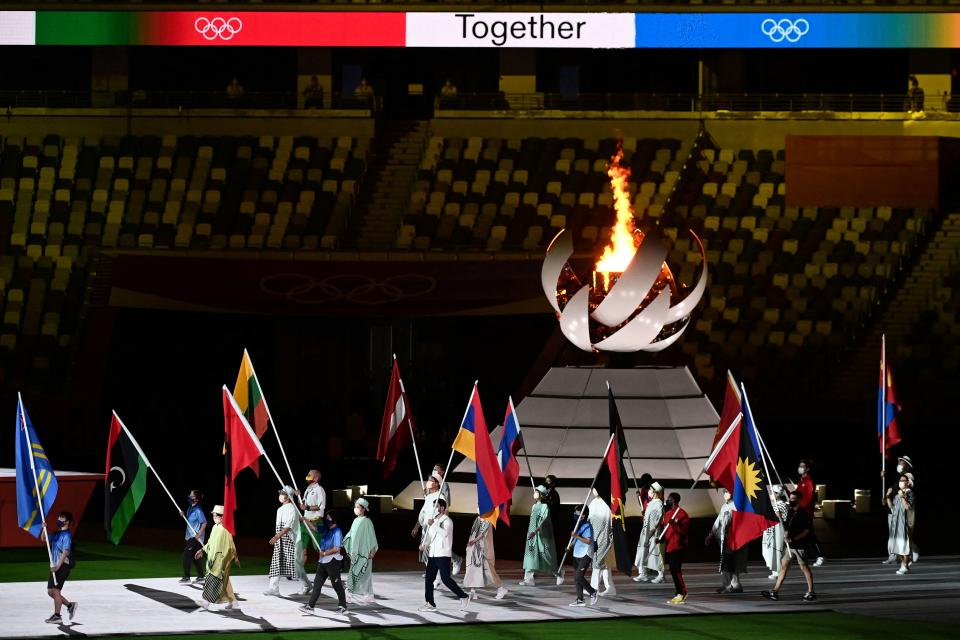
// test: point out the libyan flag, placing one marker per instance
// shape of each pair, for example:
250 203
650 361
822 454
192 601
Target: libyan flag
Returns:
124 480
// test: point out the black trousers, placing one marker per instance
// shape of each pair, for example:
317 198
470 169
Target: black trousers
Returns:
675 561
579 569
441 566
328 570
189 552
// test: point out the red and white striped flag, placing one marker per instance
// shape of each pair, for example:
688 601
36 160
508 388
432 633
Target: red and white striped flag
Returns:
396 430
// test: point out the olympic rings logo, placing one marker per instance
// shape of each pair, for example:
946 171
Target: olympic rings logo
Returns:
355 288
784 29
217 27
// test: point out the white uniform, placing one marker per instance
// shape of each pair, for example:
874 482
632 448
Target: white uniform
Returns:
600 518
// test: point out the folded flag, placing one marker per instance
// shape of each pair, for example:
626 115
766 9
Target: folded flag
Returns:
250 399
888 431
242 449
510 443
34 476
473 441
396 428
124 480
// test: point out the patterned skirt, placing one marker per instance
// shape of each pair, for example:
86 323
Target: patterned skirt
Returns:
284 560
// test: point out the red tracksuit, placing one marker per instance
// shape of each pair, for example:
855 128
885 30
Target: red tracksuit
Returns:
808 491
675 538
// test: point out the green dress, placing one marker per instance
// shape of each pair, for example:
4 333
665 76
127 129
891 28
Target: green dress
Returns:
540 555
359 543
221 554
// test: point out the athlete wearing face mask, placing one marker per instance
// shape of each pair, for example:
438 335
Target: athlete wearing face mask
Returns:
901 505
361 546
807 489
799 537
194 536
648 550
904 466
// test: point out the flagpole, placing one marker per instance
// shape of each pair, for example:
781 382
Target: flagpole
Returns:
266 407
633 471
763 445
566 550
716 449
413 438
523 443
36 483
256 440
883 416
446 470
156 474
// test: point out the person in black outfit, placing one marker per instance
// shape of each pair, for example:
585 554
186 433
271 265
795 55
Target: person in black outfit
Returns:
799 540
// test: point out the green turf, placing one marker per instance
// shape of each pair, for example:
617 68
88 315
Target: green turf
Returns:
104 561
784 626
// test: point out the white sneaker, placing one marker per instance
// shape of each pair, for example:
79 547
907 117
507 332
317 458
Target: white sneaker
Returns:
527 583
891 559
233 604
594 598
272 592
903 570
464 603
473 594
502 591
578 603
658 579
773 575
609 591
305 591
427 607
819 562
916 556
457 565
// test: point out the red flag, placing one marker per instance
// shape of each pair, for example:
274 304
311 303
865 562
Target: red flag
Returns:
731 409
242 448
888 431
397 426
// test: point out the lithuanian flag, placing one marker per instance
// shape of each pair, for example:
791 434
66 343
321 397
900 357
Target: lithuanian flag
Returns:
249 398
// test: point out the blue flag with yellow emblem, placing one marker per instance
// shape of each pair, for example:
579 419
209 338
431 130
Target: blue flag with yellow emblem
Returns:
34 474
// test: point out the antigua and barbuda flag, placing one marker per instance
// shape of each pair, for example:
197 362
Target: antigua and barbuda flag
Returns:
738 462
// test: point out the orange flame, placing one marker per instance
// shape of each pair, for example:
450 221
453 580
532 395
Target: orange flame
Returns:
624 238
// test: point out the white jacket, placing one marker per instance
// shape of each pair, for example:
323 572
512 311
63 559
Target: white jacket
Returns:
438 542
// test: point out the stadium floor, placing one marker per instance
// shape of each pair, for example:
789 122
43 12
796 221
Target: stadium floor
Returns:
858 598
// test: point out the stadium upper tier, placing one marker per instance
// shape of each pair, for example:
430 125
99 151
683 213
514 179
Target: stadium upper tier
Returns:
440 5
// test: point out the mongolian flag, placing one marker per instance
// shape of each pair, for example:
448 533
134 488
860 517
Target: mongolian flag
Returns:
510 443
34 476
612 482
242 448
473 441
396 428
124 480
738 467
250 399
888 431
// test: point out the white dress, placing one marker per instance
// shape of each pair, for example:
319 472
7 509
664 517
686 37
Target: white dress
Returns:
648 551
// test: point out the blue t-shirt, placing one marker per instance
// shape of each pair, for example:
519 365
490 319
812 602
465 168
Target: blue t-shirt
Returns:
331 538
61 541
580 548
196 518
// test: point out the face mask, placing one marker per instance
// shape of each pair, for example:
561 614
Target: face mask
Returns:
801 470
668 504
726 497
330 523
651 495
61 523
903 485
899 468
793 503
